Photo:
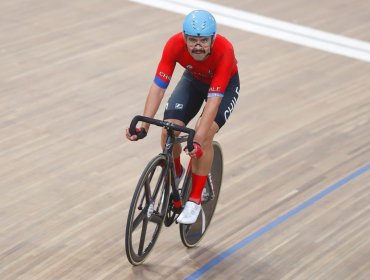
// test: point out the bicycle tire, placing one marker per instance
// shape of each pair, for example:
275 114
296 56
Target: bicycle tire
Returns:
192 234
147 211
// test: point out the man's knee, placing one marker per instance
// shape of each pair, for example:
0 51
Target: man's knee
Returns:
211 134
177 122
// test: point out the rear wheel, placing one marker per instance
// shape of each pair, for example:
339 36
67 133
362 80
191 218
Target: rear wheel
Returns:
147 211
192 234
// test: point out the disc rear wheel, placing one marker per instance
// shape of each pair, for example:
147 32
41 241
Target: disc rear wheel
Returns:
192 234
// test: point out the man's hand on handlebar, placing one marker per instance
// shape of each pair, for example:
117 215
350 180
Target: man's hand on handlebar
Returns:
196 153
140 134
133 133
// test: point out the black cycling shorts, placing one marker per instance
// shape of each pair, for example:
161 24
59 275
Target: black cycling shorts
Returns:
189 95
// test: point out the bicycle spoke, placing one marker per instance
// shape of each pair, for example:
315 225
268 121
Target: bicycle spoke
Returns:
159 183
138 220
162 193
148 192
142 237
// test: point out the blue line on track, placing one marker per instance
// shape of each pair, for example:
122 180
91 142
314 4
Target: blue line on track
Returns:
219 258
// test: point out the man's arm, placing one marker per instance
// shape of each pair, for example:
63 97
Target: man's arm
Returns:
153 100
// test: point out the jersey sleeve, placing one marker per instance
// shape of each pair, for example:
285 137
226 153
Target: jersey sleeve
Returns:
166 65
223 73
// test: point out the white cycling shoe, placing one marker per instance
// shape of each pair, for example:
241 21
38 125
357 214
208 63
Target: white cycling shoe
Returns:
190 213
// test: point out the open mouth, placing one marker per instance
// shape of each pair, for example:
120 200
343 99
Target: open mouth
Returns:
198 51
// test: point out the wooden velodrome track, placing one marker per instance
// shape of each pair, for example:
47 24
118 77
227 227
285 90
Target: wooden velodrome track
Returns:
74 73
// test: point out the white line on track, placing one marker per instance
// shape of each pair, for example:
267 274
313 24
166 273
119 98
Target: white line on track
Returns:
269 27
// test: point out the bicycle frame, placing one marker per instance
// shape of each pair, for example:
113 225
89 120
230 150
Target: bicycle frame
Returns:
167 152
149 211
168 147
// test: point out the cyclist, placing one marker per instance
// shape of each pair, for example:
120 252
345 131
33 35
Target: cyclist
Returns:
210 75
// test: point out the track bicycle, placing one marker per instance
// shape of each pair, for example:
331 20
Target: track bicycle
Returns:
158 201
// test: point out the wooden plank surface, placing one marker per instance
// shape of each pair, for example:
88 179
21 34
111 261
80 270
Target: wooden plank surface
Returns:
73 75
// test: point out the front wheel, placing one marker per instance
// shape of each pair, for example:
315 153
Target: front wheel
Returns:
192 234
147 211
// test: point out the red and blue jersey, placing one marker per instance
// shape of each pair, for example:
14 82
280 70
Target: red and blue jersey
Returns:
216 70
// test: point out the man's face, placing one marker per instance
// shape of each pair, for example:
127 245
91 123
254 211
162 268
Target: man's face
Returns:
199 47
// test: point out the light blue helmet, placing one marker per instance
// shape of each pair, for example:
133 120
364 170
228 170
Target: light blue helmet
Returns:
199 23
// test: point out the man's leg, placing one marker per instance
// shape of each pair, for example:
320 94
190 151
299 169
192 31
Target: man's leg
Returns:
176 147
202 166
200 170
182 106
